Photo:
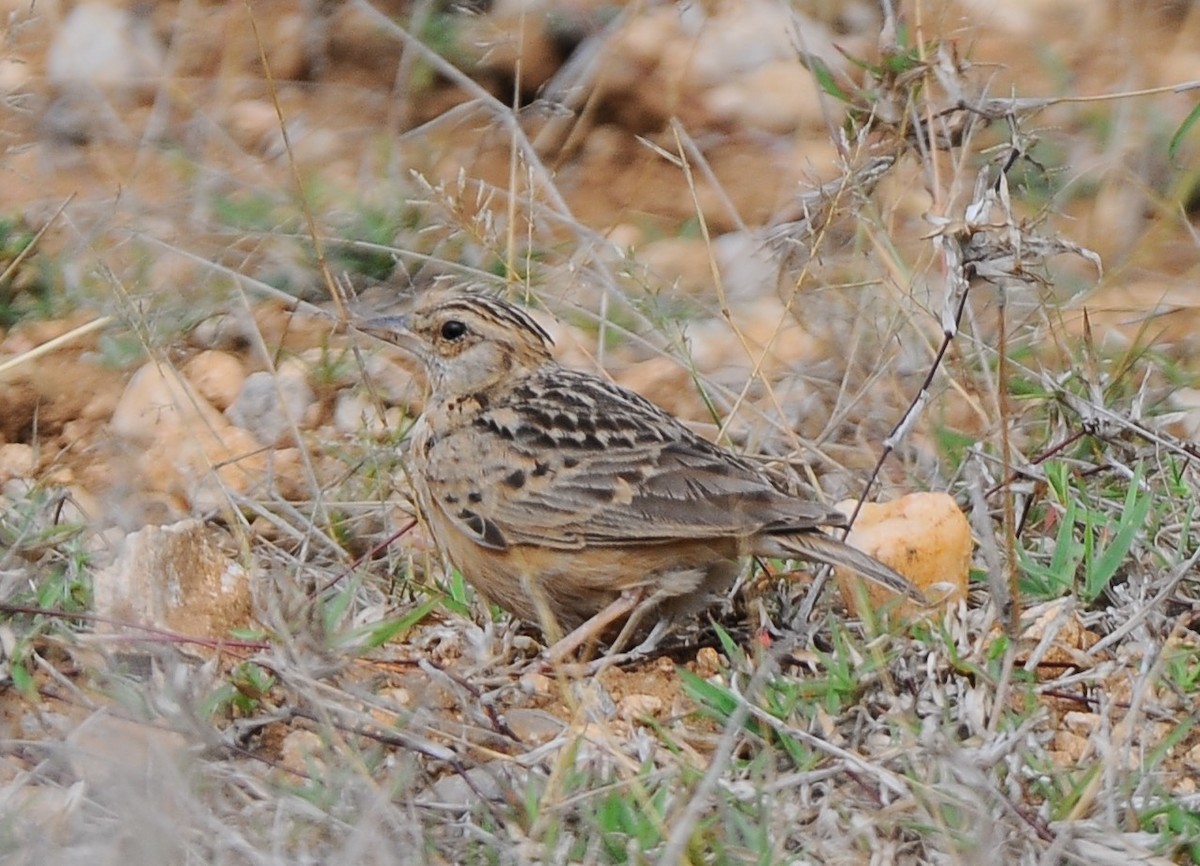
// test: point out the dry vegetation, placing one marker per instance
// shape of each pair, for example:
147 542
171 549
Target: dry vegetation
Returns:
955 239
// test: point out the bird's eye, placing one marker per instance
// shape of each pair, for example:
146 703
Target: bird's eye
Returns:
453 330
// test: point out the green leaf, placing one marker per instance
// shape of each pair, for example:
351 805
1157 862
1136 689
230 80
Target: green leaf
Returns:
1184 128
1058 576
824 76
22 680
385 631
1133 519
714 698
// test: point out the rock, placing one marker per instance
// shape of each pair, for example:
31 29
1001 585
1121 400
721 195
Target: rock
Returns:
534 683
735 62
287 475
273 405
638 707
174 577
668 384
741 36
534 727
748 268
514 38
16 461
354 415
392 378
14 75
760 338
218 376
100 45
301 752
924 536
159 401
493 780
779 97
106 749
223 331
213 39
708 663
254 124
1058 636
186 448
679 264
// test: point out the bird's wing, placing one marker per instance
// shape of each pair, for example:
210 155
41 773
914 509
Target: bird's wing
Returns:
578 461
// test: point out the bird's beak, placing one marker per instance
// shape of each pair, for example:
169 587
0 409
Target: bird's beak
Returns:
383 326
397 331
394 330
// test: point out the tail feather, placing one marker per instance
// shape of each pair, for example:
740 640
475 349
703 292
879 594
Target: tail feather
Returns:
827 550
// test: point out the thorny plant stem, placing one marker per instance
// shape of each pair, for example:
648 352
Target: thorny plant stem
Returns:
1010 524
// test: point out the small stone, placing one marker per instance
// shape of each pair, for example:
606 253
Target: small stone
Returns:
748 267
185 446
708 662
1070 746
637 707
399 696
271 406
254 125
491 781
100 45
680 264
224 331
218 376
159 401
392 379
285 472
534 727
778 97
105 750
668 384
14 75
536 684
301 752
17 460
354 414
924 536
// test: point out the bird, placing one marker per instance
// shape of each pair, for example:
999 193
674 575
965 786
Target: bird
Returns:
573 502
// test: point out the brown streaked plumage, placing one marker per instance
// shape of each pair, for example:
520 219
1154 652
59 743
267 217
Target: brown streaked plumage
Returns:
561 496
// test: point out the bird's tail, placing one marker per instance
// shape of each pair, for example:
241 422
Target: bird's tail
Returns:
827 550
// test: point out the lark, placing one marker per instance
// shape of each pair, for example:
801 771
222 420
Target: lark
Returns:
573 502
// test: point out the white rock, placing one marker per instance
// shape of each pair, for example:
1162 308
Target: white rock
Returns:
270 404
103 45
175 577
355 414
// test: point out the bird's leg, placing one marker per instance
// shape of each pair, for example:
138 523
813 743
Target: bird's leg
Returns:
593 627
639 652
635 618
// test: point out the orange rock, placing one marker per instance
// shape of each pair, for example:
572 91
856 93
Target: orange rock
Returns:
187 447
217 375
924 536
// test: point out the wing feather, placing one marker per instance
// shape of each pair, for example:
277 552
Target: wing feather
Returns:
618 471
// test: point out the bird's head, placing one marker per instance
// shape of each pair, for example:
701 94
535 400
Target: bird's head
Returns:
467 342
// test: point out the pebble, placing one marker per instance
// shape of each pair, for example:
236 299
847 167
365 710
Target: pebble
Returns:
271 406
17 460
924 536
218 377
